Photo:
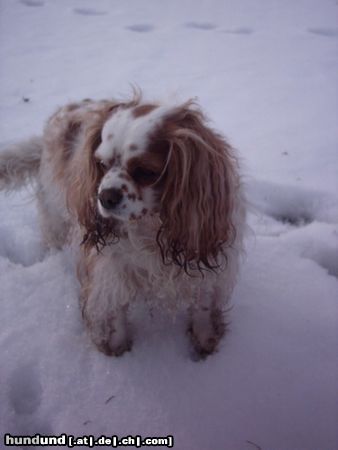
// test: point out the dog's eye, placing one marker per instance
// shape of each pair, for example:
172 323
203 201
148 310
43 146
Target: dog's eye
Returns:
102 164
144 176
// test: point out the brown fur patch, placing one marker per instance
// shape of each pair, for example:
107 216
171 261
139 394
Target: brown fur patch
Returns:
143 110
196 192
125 176
86 175
73 106
145 169
70 135
114 161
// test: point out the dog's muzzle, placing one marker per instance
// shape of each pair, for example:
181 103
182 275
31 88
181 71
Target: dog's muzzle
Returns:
110 198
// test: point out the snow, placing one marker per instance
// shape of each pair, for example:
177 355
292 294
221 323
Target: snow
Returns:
265 72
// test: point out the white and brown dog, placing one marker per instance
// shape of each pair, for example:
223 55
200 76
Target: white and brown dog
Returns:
150 197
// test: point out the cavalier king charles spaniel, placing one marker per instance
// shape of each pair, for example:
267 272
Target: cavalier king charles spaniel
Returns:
150 198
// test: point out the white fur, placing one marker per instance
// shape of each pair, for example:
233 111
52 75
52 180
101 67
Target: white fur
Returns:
123 130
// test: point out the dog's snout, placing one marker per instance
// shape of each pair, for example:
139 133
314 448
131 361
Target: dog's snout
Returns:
110 198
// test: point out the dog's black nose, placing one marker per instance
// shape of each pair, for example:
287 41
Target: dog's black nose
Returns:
110 198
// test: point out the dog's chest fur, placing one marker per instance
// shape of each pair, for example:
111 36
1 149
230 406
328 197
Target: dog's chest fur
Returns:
136 260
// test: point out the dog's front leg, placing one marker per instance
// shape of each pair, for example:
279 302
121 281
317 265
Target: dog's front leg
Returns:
109 331
207 325
104 307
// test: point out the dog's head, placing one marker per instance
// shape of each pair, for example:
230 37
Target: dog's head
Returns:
151 159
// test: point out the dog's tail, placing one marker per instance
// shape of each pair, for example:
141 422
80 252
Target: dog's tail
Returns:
19 164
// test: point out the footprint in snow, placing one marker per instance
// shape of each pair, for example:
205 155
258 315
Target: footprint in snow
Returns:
32 2
89 12
317 242
201 25
327 32
307 219
296 218
25 395
141 28
327 259
30 426
293 206
25 390
241 30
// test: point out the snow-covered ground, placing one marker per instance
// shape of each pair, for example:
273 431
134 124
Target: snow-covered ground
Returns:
266 73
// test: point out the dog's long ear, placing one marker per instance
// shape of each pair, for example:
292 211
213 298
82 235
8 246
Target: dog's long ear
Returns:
197 194
82 195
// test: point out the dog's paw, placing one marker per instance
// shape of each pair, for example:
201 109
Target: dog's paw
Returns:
111 335
200 350
206 334
111 348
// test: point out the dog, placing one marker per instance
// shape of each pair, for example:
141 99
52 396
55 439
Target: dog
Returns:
150 198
